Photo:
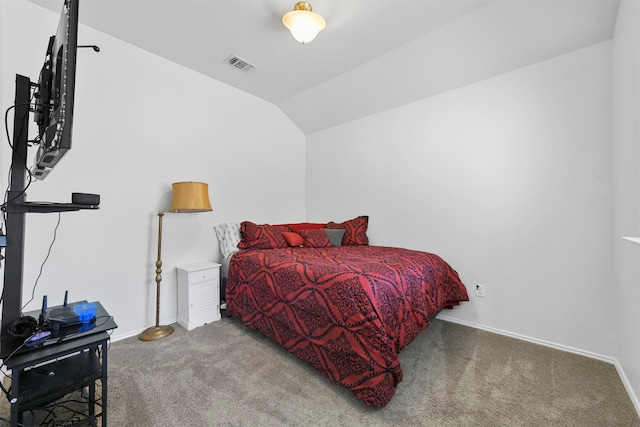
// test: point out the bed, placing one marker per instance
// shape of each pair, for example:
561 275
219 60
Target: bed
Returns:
345 307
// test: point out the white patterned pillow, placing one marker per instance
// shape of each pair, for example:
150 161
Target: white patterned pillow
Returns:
228 236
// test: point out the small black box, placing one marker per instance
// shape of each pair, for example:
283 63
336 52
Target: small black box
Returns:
85 199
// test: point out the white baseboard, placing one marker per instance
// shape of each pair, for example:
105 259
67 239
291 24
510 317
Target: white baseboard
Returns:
627 386
607 359
125 336
119 337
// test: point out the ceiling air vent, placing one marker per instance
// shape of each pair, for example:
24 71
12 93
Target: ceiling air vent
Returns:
239 63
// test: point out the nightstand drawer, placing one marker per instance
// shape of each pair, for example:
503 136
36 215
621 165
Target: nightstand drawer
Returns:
204 275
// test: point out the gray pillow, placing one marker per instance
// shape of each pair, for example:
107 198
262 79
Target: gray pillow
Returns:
335 236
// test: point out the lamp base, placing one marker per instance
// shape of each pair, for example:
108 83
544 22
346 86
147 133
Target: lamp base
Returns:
155 333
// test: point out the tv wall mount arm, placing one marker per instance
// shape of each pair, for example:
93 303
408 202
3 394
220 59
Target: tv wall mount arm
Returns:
95 48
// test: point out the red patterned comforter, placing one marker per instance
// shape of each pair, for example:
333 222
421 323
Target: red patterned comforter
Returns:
348 310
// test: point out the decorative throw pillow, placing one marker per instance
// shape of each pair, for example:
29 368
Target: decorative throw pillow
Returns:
315 238
335 236
263 236
355 230
293 239
228 237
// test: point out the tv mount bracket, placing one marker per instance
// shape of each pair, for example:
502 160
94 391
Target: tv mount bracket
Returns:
95 48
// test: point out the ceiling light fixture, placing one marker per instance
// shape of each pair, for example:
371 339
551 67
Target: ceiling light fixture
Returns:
303 23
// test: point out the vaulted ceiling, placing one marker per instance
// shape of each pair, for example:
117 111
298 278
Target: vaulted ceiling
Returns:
372 56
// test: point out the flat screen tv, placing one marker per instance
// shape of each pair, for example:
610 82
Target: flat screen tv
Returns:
54 93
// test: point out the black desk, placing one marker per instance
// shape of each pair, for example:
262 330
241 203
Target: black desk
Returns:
72 361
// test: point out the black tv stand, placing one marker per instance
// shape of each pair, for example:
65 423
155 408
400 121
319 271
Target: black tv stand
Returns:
60 366
16 208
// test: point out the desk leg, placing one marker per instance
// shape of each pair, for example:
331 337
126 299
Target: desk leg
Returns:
104 383
92 401
16 416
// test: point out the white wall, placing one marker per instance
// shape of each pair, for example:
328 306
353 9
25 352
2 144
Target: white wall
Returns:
140 124
626 190
509 179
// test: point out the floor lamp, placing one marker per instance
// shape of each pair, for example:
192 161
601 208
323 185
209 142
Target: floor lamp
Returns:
186 197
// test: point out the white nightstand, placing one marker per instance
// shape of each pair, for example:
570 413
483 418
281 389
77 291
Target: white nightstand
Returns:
198 294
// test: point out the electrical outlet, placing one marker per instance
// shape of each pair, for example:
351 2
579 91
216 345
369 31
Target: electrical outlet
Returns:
480 291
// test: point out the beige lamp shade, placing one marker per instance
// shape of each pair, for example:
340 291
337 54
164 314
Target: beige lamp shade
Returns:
303 24
190 197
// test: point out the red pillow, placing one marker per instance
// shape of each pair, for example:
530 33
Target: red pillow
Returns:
264 236
304 225
355 230
293 239
315 238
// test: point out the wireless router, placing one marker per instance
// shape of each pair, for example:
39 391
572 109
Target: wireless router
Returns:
68 314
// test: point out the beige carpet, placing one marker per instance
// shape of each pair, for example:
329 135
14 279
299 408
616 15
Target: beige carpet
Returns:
223 374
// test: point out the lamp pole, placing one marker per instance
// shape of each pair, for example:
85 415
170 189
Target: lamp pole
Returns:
159 268
157 331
